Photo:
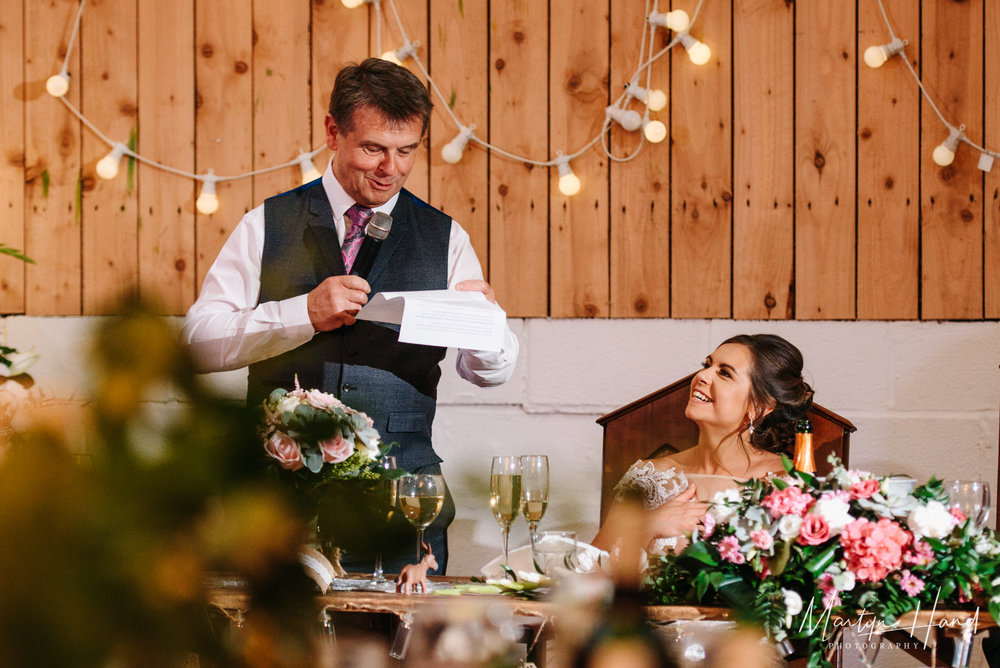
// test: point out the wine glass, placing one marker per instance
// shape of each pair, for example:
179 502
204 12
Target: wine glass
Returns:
420 498
387 490
972 497
534 490
505 495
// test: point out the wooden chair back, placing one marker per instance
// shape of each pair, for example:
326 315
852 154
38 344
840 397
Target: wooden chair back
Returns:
655 425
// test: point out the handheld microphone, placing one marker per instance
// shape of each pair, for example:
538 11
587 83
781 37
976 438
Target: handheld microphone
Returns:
375 233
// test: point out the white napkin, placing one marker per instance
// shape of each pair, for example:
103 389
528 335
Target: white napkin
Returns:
587 560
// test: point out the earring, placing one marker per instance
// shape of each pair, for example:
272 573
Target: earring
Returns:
751 424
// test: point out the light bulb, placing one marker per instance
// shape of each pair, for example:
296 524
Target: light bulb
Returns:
944 153
400 54
309 171
208 201
677 20
57 85
654 131
453 150
627 118
569 183
654 98
876 55
698 52
107 167
351 4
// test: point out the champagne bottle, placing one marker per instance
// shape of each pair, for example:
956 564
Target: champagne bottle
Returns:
804 459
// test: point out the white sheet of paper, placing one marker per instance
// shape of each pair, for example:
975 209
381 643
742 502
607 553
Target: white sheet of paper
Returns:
448 318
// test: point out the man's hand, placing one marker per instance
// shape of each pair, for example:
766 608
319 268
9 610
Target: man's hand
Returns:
334 302
478 286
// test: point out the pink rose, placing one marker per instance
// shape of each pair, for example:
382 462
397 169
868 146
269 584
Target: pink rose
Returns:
957 513
865 489
336 449
910 583
321 400
729 549
762 538
707 525
919 553
285 450
788 501
873 549
813 530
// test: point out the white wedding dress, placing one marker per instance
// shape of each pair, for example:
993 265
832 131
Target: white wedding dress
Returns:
656 487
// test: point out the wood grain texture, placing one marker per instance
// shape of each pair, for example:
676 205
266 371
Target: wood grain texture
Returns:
763 177
952 196
639 185
991 181
281 69
52 164
459 66
224 118
519 249
13 100
888 168
701 187
166 220
824 161
578 81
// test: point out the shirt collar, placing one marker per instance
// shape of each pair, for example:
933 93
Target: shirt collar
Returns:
340 201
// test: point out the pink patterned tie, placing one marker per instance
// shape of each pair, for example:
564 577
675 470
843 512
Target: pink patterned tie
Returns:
358 215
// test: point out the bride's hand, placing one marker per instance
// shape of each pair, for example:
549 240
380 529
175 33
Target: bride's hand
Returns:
677 517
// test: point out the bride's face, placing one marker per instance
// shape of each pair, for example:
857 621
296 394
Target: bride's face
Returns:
720 392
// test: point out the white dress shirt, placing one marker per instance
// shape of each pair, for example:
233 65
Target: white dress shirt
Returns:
226 329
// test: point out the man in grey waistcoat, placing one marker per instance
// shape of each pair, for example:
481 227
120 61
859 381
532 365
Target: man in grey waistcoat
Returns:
279 297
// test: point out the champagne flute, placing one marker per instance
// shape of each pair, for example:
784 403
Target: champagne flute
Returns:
420 498
972 497
387 490
505 495
534 490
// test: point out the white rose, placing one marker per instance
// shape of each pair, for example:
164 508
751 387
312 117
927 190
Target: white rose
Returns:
932 520
788 526
724 505
844 581
288 403
836 512
793 602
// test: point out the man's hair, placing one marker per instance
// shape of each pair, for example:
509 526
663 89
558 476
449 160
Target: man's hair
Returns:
388 88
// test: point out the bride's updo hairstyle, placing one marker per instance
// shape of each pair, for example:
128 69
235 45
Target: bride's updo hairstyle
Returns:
775 379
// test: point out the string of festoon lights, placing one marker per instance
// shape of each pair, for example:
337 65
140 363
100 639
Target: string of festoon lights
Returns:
638 88
944 153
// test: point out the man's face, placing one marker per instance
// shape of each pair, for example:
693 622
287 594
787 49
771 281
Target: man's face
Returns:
372 161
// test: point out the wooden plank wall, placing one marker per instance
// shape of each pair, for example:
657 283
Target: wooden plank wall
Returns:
795 183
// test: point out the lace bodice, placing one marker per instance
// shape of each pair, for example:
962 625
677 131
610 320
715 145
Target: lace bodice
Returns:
656 487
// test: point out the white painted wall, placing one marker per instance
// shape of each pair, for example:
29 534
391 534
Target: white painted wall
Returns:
924 396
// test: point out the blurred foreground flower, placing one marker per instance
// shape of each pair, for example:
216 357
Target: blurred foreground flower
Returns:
14 363
114 513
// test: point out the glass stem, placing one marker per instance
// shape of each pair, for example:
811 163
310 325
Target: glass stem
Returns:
420 544
378 566
505 534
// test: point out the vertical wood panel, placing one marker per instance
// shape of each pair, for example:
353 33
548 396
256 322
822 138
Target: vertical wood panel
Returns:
763 174
414 18
640 193
579 224
108 91
281 96
952 201
339 36
825 160
459 58
13 97
224 119
701 198
52 170
888 168
991 192
166 134
519 193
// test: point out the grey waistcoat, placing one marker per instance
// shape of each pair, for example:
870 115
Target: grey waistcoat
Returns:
364 365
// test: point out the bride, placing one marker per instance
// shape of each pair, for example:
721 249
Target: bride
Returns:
746 401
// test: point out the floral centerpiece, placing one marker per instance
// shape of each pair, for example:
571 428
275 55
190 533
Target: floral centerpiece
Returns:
793 553
329 454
